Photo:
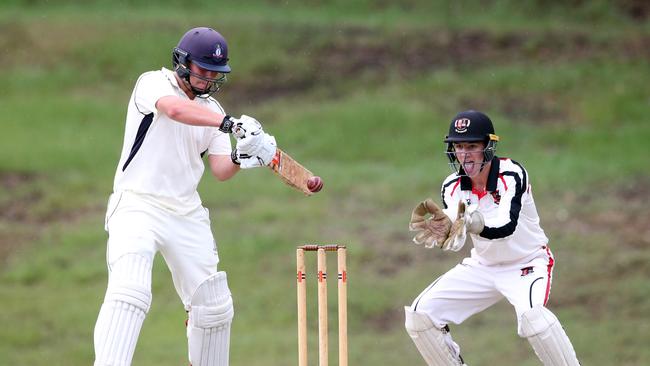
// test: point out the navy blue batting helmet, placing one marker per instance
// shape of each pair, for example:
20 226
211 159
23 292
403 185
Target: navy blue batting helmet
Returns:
204 47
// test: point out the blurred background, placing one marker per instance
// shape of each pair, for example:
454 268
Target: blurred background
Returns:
361 92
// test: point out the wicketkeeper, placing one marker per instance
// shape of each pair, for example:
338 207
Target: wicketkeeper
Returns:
490 200
172 122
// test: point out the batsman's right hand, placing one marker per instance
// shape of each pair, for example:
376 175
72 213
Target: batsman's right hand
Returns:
256 152
431 231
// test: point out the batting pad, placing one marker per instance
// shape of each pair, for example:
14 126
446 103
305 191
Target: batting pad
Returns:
208 328
547 337
126 303
436 346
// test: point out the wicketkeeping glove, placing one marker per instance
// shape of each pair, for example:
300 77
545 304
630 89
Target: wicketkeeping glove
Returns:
458 232
431 231
474 221
466 221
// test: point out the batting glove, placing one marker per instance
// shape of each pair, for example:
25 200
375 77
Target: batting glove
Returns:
234 156
261 155
246 127
227 124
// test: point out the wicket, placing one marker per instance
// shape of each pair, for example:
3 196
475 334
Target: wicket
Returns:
322 303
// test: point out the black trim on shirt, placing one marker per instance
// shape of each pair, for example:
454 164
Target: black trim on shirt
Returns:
493 177
523 173
444 188
465 181
139 137
515 209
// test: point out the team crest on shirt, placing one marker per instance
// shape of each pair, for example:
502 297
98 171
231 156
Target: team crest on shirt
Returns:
496 197
526 271
461 125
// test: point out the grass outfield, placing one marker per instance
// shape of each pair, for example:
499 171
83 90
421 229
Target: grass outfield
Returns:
362 94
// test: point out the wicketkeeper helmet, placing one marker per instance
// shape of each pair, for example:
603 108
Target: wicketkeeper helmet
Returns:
471 126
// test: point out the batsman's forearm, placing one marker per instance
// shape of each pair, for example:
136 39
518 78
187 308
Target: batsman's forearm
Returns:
222 167
188 112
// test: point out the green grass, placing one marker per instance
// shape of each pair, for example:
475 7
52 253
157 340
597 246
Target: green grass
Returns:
361 92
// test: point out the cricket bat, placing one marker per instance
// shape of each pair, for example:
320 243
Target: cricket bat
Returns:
291 172
288 169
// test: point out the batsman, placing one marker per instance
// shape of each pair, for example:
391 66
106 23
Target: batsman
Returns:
488 199
172 122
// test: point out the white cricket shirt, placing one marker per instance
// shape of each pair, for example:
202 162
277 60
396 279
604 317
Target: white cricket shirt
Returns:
161 158
512 231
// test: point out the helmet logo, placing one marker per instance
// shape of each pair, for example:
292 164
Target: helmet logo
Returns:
461 125
217 51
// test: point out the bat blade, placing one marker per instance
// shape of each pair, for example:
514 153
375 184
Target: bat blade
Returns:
291 172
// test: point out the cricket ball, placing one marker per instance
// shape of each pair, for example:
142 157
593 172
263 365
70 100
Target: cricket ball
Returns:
314 184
